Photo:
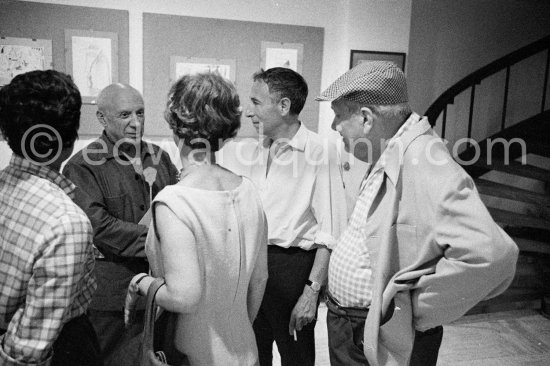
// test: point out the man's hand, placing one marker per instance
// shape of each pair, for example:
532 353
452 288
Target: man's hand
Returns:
304 310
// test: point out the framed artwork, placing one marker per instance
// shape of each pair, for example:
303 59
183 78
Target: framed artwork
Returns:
91 58
180 66
278 54
358 56
21 55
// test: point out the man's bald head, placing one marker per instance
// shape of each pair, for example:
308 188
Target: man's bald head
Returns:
111 93
120 111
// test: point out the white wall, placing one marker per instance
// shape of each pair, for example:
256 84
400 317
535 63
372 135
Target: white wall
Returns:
373 25
377 25
451 39
381 25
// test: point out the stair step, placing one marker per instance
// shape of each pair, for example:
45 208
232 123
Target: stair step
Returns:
511 299
533 246
491 188
514 219
516 168
514 295
538 148
536 241
533 131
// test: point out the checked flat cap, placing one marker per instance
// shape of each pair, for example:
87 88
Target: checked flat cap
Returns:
370 82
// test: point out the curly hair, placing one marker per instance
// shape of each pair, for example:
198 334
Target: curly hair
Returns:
41 108
203 109
286 83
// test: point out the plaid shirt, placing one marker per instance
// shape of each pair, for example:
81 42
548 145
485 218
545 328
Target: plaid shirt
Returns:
46 260
350 267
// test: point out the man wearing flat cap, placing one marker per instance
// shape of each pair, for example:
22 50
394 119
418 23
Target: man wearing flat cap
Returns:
420 248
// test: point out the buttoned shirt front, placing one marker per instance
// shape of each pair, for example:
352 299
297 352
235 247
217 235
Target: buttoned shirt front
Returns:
350 268
46 260
302 192
115 196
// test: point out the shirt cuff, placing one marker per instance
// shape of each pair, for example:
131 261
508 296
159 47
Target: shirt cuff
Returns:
324 239
6 360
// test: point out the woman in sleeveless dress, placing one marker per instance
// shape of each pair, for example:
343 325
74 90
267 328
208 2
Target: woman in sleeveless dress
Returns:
208 236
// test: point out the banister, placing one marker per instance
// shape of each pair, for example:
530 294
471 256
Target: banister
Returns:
476 77
543 104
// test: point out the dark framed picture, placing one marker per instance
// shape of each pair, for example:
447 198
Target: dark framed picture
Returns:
358 56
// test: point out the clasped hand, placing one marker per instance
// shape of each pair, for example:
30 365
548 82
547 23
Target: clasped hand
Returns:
132 296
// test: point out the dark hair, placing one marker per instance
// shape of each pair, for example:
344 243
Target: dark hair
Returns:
37 106
286 83
203 107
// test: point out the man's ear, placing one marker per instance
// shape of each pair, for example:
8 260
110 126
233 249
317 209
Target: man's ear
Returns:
101 118
368 119
284 106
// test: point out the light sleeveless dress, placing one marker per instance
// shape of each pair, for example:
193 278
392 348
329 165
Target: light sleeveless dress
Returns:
229 228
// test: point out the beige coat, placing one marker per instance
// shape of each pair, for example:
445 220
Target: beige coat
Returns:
437 249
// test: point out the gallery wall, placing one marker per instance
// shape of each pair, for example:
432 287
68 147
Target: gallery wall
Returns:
171 35
375 25
49 21
378 25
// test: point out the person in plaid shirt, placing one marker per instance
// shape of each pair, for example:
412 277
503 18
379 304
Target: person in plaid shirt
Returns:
420 248
46 257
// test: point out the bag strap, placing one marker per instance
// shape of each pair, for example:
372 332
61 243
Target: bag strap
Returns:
150 315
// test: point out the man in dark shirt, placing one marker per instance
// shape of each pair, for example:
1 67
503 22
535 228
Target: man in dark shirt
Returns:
118 175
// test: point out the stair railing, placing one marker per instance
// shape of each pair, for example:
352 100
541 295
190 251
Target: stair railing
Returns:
475 78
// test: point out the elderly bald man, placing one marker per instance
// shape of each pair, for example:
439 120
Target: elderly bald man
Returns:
115 194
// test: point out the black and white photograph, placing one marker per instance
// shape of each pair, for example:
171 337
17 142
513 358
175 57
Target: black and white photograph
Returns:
274 183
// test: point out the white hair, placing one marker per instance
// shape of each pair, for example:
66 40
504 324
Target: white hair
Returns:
399 111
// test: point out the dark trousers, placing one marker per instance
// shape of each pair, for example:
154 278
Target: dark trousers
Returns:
117 342
77 344
345 339
288 271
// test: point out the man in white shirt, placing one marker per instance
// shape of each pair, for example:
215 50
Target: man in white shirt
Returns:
302 192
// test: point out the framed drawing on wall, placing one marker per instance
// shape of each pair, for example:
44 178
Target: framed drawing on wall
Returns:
21 55
91 57
358 56
278 54
180 66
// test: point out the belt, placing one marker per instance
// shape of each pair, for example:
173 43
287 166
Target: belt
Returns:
334 306
112 259
290 250
127 260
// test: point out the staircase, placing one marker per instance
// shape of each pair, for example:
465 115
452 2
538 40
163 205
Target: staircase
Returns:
511 169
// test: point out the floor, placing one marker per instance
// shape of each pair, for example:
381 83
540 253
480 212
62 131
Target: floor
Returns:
520 337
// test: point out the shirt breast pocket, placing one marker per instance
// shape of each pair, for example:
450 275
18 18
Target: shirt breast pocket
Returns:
407 243
116 205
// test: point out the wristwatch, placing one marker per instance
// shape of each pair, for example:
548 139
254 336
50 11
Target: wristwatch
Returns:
315 286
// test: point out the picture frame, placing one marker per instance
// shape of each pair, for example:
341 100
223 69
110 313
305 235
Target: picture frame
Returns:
180 65
91 57
280 54
358 56
21 55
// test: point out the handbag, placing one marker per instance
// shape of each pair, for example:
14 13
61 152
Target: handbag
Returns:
158 336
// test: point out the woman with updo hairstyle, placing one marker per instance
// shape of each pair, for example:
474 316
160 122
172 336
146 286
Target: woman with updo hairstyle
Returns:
208 236
203 110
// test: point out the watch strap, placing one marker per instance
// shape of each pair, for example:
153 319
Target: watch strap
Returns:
315 286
